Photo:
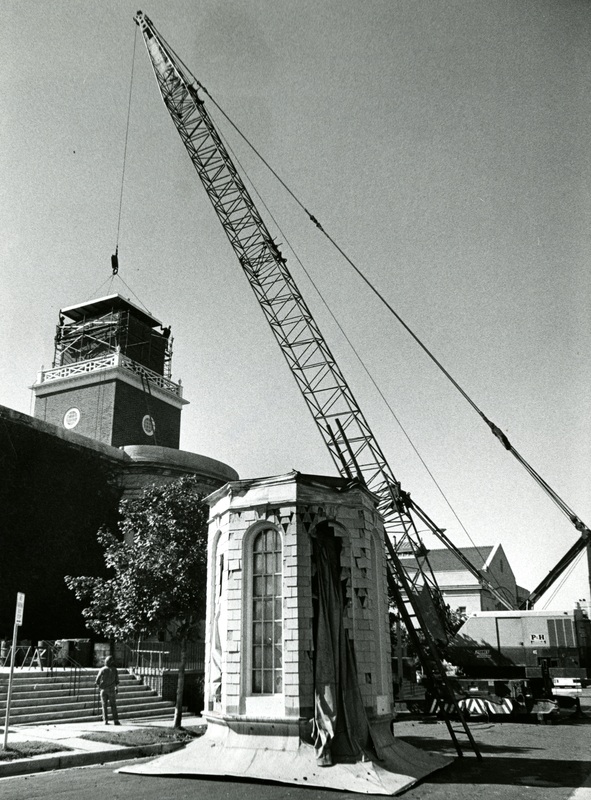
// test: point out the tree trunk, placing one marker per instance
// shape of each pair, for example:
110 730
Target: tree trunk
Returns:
178 711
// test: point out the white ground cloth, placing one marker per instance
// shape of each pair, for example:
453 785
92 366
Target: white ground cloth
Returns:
286 759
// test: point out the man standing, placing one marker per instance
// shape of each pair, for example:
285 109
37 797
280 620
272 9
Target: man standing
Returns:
108 680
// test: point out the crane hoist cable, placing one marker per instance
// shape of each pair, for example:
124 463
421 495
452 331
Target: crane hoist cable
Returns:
115 256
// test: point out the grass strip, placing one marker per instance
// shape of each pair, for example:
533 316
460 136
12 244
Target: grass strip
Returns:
143 736
29 749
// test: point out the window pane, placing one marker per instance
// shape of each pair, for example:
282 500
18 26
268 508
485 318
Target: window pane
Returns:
257 633
267 609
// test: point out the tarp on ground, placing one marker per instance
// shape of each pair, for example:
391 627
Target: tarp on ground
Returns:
220 752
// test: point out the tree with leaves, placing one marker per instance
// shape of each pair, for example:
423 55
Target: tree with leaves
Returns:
158 571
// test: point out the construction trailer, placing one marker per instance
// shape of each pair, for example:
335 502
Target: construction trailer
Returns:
516 663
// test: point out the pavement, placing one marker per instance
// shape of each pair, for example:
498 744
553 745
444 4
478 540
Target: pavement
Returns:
79 752
554 756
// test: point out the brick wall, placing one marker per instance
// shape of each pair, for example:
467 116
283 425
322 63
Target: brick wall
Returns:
112 411
95 403
131 405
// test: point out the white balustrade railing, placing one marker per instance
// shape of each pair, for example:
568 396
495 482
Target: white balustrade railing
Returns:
108 362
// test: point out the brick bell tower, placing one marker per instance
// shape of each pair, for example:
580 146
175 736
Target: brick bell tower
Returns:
111 376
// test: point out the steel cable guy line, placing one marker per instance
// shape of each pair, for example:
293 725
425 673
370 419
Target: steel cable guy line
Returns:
312 365
96 291
562 505
354 349
564 579
129 289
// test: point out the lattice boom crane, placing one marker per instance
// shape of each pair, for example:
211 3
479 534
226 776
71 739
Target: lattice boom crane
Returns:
343 427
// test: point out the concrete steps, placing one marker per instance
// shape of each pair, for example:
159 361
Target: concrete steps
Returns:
41 697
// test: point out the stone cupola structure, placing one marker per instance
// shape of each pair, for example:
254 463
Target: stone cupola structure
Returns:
265 609
298 673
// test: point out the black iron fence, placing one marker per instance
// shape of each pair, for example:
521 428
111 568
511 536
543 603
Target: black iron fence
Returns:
159 655
157 664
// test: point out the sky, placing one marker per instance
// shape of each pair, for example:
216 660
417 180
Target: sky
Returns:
444 146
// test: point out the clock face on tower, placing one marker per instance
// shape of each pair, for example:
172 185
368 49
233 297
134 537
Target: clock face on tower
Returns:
71 418
148 425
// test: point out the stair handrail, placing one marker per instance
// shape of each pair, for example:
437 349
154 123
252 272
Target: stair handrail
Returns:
141 664
143 653
44 651
75 680
76 671
163 656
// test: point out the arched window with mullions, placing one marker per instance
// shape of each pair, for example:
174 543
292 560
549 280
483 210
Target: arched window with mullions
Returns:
267 612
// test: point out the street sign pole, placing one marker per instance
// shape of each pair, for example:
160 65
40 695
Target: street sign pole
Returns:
18 620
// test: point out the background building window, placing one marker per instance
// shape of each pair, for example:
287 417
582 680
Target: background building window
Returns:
267 646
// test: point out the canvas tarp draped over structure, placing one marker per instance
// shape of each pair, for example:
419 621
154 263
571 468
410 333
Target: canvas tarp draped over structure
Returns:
341 729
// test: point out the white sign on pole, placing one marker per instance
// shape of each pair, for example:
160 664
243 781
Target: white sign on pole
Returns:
20 607
18 620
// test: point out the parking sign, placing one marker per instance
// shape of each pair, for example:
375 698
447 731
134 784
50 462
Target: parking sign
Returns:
20 607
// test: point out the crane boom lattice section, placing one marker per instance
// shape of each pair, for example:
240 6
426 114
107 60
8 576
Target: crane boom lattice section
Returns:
352 446
311 362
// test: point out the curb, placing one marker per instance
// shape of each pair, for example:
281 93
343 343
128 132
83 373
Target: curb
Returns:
66 760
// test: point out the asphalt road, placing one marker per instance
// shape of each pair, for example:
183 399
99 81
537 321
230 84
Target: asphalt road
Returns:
538 762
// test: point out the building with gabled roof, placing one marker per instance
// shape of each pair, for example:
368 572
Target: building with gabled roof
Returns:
462 590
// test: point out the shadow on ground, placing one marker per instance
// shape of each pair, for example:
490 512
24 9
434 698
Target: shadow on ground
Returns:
516 756
437 745
514 772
